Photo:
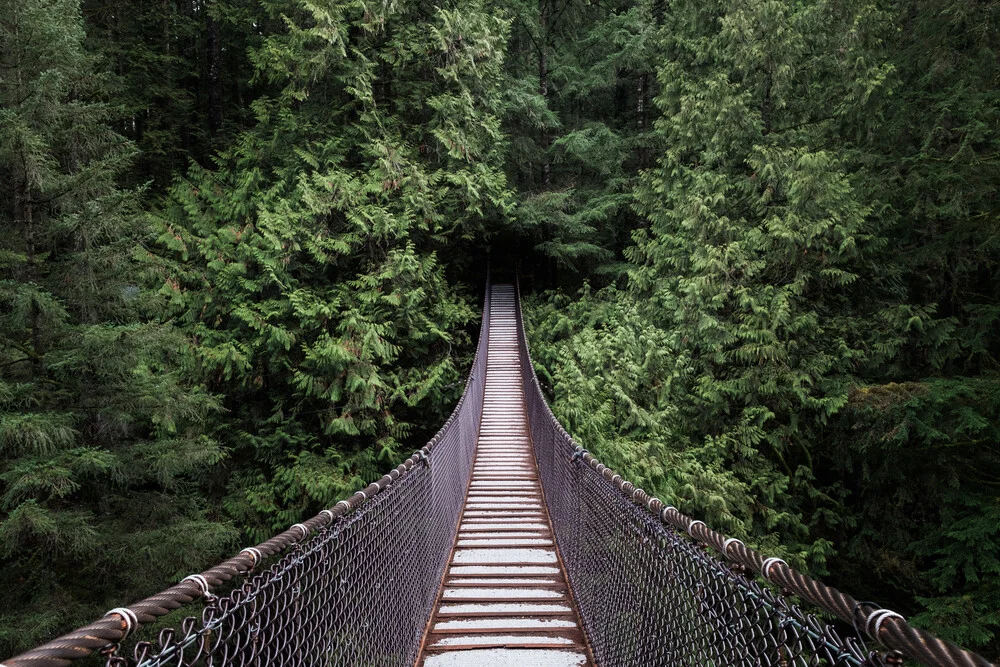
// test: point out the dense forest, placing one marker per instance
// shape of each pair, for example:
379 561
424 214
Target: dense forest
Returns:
244 244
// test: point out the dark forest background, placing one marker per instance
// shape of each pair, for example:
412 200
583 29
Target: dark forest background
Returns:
244 244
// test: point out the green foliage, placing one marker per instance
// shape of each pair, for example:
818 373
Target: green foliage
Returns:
923 464
759 242
181 74
787 212
805 351
611 375
578 117
101 441
306 266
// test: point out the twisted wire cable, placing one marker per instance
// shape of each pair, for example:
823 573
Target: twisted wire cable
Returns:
557 450
435 495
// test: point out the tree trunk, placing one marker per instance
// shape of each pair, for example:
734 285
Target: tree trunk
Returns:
214 55
543 90
765 106
641 118
24 215
24 218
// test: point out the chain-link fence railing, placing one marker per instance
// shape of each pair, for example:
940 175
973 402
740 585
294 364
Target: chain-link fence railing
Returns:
355 584
651 592
352 586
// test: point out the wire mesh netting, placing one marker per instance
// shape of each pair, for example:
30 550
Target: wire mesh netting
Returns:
647 595
359 593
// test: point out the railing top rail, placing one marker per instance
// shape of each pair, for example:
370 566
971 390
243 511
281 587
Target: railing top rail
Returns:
887 627
119 623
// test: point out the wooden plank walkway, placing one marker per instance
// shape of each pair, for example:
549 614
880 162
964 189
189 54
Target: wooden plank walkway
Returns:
504 601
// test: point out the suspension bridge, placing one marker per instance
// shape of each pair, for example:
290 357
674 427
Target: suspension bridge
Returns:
501 543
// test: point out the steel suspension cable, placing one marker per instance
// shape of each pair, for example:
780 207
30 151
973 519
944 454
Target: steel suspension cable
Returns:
651 593
352 585
355 584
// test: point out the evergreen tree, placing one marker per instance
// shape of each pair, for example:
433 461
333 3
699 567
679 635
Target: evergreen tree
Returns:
101 447
806 354
612 374
578 117
919 445
181 75
307 263
760 253
786 210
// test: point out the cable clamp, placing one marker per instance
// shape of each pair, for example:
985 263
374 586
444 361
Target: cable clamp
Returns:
327 513
730 540
346 504
692 525
202 584
255 555
765 569
302 528
879 616
663 512
127 615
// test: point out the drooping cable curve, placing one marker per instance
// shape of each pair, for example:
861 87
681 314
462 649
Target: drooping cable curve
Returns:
356 584
650 593
363 585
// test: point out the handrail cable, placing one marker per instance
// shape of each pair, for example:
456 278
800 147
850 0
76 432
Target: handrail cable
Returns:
430 490
579 486
356 583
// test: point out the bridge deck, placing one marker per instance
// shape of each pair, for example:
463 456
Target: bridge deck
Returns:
504 601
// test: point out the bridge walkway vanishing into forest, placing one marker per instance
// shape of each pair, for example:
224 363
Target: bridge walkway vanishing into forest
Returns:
504 602
524 551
